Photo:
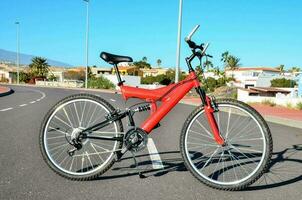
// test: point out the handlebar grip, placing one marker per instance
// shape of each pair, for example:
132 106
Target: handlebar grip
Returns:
188 38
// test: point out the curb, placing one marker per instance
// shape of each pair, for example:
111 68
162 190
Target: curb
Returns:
269 118
8 92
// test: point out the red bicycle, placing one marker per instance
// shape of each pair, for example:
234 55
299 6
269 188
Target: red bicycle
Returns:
225 143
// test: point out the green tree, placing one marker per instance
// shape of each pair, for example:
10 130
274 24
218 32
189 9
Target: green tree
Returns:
144 59
209 84
233 62
224 56
24 77
208 64
39 67
216 71
281 68
158 61
52 77
230 62
142 64
295 69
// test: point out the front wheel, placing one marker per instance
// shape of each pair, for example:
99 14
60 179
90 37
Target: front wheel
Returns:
245 155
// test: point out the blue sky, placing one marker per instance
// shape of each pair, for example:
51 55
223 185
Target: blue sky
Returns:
259 32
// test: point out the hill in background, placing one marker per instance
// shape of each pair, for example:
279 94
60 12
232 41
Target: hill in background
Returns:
25 59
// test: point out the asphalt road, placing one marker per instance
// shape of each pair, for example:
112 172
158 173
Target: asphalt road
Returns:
24 175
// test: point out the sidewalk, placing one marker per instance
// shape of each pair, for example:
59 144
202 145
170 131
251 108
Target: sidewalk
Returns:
5 91
279 115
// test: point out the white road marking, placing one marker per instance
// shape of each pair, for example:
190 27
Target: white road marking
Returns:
154 155
6 109
112 100
22 105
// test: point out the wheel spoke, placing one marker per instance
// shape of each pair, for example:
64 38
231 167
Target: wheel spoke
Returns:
238 159
63 124
227 131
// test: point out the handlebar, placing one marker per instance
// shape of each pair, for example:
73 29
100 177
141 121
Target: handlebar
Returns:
188 38
195 47
204 49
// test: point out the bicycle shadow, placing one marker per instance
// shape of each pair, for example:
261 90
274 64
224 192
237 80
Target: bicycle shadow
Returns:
284 168
172 164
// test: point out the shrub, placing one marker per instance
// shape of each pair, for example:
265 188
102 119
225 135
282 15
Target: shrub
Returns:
289 105
100 83
299 106
282 82
268 102
24 77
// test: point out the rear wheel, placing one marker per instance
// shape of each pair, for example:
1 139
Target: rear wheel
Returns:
63 122
243 159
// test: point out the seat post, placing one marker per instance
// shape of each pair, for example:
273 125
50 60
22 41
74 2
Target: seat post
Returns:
120 81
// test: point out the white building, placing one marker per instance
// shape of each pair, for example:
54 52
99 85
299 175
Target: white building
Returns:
280 96
129 80
253 77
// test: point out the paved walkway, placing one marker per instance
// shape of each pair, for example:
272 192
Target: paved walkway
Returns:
279 112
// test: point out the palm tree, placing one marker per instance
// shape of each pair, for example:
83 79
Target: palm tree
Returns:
217 71
232 62
281 68
144 59
208 64
39 67
224 56
158 62
295 69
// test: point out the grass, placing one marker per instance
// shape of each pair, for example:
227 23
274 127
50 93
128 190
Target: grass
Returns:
268 102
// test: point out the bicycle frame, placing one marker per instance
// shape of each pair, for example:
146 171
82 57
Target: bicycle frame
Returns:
169 96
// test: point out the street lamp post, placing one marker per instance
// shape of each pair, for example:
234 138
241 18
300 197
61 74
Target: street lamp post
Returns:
87 32
18 50
177 67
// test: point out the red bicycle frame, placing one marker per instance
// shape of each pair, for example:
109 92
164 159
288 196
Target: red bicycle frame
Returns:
170 96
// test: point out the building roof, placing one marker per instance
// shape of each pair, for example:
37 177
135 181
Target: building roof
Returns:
255 69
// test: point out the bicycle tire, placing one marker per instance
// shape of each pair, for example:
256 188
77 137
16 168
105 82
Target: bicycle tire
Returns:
262 167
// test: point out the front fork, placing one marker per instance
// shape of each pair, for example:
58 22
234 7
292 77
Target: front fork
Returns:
209 108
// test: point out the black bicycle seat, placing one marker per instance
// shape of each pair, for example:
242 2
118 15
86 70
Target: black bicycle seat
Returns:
115 59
